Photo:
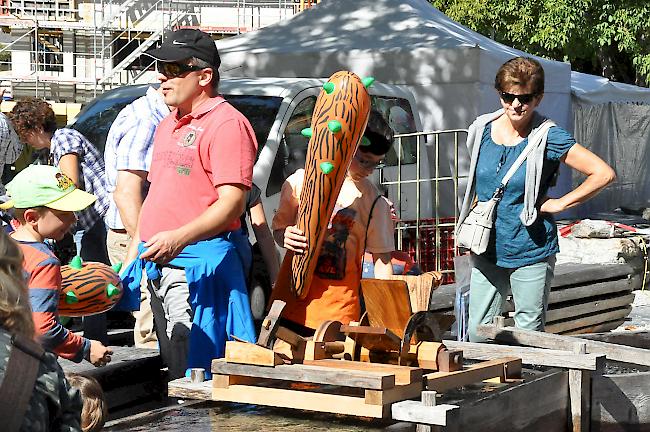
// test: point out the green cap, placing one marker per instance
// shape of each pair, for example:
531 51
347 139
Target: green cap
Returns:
46 186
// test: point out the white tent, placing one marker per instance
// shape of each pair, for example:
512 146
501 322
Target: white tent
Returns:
593 90
449 68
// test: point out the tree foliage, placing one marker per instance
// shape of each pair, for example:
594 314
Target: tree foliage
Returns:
602 37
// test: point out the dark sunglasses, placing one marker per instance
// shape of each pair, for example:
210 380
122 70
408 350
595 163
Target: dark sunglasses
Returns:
523 98
368 164
174 70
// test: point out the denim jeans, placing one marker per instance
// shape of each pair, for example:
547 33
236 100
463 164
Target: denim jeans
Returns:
530 286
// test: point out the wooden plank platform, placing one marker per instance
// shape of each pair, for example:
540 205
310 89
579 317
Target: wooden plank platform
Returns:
503 368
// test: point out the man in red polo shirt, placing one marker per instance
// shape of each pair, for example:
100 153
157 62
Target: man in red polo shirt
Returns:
201 169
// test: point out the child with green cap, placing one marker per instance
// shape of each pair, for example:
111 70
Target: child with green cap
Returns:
44 201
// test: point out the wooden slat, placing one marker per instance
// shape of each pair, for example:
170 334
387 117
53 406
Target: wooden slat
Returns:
297 399
588 320
420 288
248 353
528 355
592 290
620 402
388 303
403 374
399 393
511 335
601 327
313 374
415 412
633 338
562 311
578 274
506 367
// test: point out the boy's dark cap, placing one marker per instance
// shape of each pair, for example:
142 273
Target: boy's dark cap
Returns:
185 43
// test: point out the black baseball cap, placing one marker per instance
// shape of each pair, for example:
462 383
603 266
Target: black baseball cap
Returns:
185 43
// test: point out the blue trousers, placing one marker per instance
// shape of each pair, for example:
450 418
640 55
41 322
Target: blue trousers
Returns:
530 286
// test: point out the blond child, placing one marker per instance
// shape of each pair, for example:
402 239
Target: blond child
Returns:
95 411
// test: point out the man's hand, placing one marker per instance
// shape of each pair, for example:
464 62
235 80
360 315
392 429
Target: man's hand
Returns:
295 240
163 247
99 354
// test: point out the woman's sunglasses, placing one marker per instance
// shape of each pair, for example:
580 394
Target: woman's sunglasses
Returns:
523 98
174 70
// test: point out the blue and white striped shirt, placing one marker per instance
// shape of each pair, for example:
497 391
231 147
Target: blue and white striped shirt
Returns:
91 171
129 144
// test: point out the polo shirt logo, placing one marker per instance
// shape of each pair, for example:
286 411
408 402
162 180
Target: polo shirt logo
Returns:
189 139
182 170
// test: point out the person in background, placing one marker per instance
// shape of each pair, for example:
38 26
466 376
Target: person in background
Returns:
127 156
44 201
361 221
50 404
201 169
77 158
95 411
521 253
10 145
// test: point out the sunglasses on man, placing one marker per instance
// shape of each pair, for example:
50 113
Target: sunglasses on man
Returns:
522 98
174 70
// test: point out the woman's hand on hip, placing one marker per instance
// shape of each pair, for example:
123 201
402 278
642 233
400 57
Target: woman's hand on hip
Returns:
552 206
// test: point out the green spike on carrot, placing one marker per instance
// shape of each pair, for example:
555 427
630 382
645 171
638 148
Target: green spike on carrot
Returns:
306 132
76 262
368 81
326 167
117 267
329 87
112 290
365 142
71 297
334 126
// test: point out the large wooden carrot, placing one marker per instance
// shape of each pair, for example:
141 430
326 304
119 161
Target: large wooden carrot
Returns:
337 126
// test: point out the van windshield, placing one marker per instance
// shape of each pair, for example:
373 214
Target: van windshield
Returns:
261 111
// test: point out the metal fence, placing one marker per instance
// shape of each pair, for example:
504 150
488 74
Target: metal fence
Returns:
429 237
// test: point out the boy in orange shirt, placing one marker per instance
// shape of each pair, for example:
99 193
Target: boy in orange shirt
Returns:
44 202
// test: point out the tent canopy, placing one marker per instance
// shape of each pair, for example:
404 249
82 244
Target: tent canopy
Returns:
593 90
449 68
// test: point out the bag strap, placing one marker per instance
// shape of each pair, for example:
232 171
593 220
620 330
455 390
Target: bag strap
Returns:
18 384
532 144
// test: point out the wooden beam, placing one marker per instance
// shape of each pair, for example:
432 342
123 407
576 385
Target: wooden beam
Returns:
579 292
185 389
504 368
588 320
528 355
298 399
251 354
372 380
399 393
414 412
572 274
562 311
579 395
512 335
403 374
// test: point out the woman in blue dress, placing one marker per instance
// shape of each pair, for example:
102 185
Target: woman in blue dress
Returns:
520 257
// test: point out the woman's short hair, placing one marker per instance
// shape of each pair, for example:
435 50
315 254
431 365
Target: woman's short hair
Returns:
15 310
520 71
379 133
32 113
94 411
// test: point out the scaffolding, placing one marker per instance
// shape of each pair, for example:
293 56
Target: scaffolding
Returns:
70 50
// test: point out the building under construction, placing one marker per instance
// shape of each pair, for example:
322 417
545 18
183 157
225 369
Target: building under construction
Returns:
70 50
